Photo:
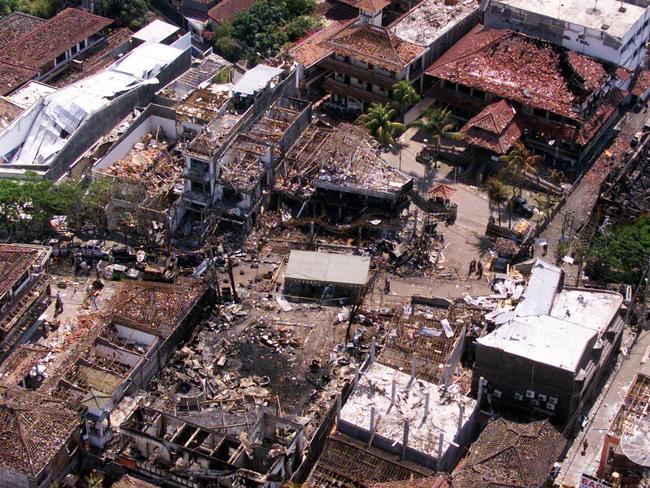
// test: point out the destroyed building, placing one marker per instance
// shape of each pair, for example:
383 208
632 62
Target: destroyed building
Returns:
149 174
404 415
338 172
39 438
606 30
232 173
50 136
350 463
22 290
548 353
431 335
510 454
560 102
168 449
325 277
625 447
109 352
39 49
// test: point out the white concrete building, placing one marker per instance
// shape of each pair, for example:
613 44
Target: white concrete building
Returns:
608 30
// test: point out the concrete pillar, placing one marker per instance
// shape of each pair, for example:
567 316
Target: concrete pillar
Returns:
338 411
372 425
441 440
393 392
405 439
356 376
427 398
479 396
373 346
460 417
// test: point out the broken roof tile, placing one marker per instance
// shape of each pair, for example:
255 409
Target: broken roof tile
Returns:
375 45
494 128
226 10
518 68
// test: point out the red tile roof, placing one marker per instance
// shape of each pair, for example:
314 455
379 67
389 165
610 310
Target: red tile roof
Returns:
368 5
42 45
375 45
494 128
17 25
591 72
642 83
53 38
226 10
313 48
519 68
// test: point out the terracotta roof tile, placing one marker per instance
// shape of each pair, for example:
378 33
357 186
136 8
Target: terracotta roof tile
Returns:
510 454
313 48
226 10
590 71
642 83
494 128
12 76
518 68
375 45
53 38
439 481
33 428
17 25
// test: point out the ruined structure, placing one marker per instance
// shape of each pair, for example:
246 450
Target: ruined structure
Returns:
168 449
607 30
338 172
39 438
22 290
510 454
560 101
404 415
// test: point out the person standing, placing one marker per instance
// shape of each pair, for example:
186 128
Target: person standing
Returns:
479 270
472 268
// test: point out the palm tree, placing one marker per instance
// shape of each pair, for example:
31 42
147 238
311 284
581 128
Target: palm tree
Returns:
437 122
498 193
405 95
517 165
379 120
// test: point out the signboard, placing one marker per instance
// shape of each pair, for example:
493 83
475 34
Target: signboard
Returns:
587 481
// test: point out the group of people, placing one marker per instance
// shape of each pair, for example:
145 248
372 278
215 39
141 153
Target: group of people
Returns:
475 267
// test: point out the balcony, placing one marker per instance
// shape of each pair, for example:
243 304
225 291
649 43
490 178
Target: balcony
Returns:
334 86
381 81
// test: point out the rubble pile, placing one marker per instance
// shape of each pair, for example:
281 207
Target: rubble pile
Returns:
149 164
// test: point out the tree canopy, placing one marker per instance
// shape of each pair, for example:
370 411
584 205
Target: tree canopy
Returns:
621 253
262 30
379 120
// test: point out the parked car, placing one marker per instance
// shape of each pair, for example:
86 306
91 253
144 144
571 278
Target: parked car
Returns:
521 206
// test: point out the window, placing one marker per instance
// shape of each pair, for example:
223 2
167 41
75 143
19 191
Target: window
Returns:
199 165
199 187
464 89
74 50
60 58
539 112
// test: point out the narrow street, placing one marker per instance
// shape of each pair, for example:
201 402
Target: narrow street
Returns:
603 412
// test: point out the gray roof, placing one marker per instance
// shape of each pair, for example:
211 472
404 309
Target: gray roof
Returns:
256 79
540 292
328 268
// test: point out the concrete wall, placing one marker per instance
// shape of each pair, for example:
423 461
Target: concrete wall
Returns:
147 122
12 479
513 374
438 47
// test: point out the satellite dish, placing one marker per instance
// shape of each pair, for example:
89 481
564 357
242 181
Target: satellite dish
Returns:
636 443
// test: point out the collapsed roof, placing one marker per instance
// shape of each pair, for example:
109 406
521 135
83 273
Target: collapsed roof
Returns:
522 69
